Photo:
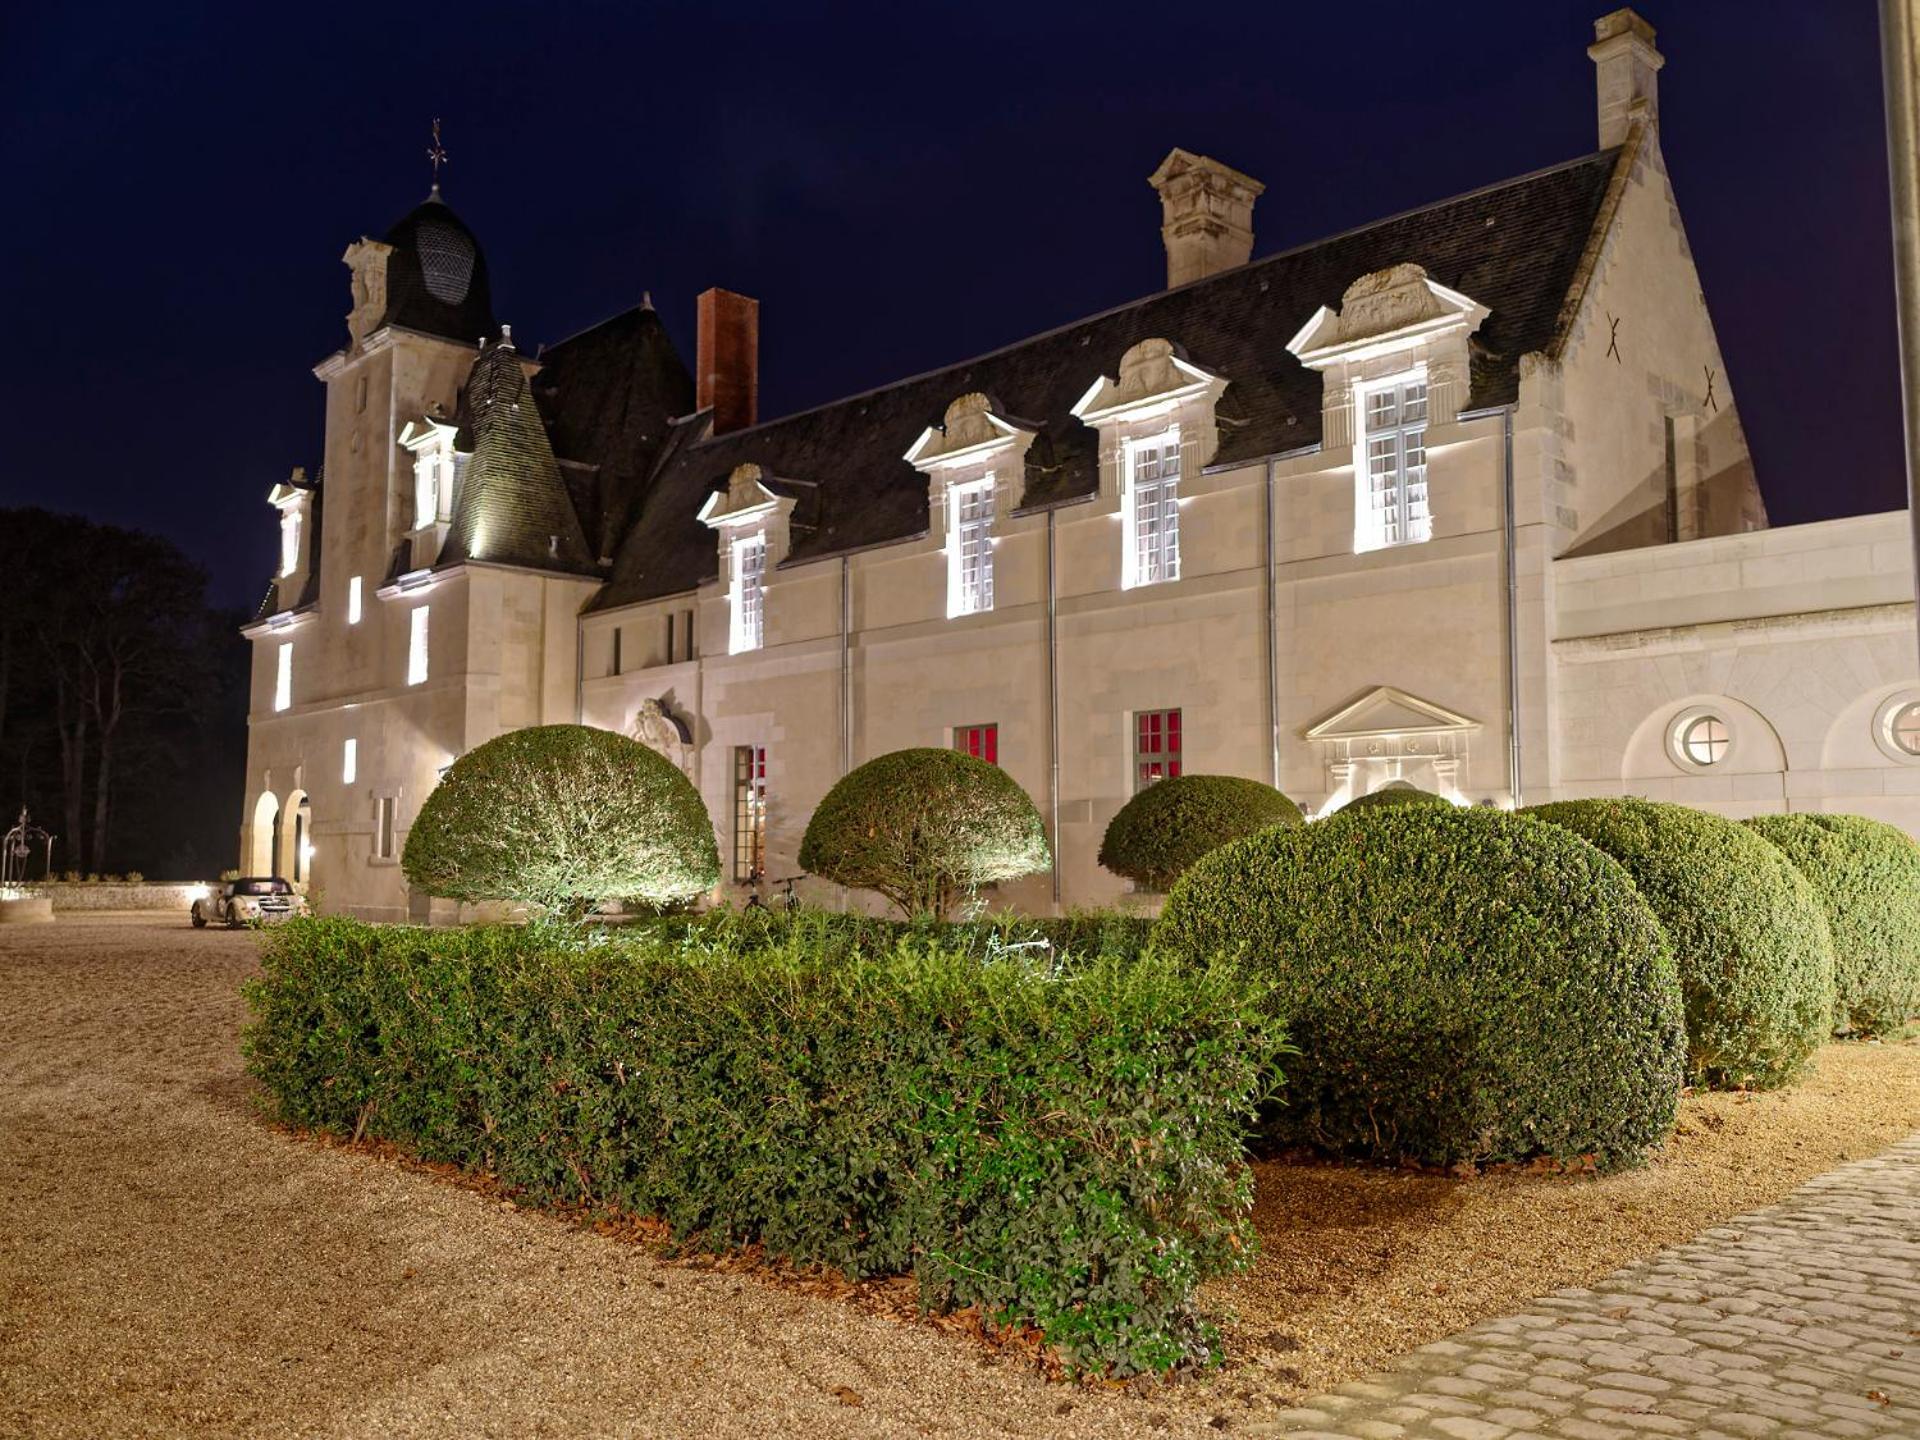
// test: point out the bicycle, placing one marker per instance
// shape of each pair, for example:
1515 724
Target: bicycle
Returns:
787 900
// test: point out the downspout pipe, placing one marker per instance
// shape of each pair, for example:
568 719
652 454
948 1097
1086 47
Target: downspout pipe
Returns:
1053 702
1511 554
846 664
1900 66
1273 632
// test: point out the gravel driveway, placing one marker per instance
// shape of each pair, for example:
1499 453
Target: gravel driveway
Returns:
169 1264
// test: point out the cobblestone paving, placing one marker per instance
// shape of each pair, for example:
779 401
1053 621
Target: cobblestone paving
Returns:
1799 1320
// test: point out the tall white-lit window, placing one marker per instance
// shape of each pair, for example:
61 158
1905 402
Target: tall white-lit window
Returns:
353 600
349 761
433 467
749 593
283 676
1151 510
417 645
970 548
1390 463
289 540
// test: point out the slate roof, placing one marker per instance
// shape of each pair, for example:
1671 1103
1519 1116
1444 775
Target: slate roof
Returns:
609 396
437 275
513 507
1514 247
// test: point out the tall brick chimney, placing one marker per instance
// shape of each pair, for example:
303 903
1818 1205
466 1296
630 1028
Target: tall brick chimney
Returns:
727 363
1206 215
1626 73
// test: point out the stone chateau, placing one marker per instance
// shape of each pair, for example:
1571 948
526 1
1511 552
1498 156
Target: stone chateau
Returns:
1457 500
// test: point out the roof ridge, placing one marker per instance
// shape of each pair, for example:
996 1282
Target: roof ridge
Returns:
641 308
1291 250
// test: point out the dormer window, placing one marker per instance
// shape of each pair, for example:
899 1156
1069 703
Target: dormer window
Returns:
435 466
975 464
970 555
1390 462
1395 362
1150 504
289 541
747 600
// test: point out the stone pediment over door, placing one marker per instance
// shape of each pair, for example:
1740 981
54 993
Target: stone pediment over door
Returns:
1388 737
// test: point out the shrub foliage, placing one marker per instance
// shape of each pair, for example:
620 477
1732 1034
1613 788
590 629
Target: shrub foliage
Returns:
1394 795
1867 876
1061 1147
1756 963
560 816
1162 831
1462 985
922 827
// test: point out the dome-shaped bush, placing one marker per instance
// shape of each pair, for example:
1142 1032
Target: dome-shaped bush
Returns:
1461 985
1394 795
922 827
1160 832
560 816
1756 963
1867 875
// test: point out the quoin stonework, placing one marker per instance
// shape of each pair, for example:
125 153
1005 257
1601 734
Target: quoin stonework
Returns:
1457 500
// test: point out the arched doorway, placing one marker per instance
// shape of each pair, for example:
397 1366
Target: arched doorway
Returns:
264 843
293 844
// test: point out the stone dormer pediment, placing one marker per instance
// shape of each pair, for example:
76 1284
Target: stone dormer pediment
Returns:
972 431
1386 711
747 501
417 434
1393 309
1154 378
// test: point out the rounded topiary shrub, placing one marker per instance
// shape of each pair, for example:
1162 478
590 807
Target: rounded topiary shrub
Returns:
560 816
1460 985
922 827
1394 795
1756 963
1867 875
1160 832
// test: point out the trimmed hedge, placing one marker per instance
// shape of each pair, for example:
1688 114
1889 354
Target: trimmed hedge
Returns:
1394 795
1061 1148
1756 961
560 816
1163 830
1866 874
1462 985
922 827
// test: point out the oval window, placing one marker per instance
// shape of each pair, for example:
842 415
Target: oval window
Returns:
1904 727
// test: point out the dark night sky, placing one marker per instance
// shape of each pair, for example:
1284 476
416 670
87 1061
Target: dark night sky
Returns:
901 186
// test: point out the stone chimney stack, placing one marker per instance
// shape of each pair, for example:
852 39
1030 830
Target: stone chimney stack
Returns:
1626 71
1206 215
727 359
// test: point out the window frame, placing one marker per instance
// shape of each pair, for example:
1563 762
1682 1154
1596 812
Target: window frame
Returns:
386 828
1154 559
1410 517
749 860
747 621
981 741
283 678
1168 751
970 595
418 640
289 540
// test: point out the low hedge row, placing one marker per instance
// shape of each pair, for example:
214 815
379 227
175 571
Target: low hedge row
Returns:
1755 958
1461 985
1867 876
1060 1145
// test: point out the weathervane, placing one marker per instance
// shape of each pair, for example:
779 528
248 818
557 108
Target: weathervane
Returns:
436 153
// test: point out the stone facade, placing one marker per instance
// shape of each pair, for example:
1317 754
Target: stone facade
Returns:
1588 559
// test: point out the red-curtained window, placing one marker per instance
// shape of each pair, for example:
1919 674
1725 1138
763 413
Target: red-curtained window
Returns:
1156 747
980 741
